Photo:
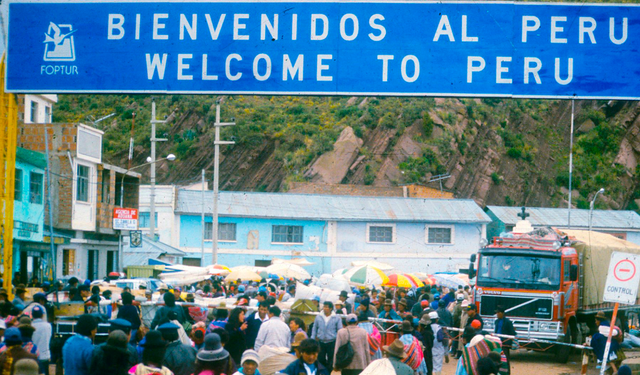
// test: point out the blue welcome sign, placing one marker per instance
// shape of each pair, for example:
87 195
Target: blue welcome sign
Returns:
535 50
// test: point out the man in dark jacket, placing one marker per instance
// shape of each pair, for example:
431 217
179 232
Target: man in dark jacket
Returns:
124 326
446 320
504 326
179 358
163 312
308 350
472 312
254 321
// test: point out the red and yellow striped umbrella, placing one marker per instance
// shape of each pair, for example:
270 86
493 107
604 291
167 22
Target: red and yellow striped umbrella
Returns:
430 280
415 280
400 280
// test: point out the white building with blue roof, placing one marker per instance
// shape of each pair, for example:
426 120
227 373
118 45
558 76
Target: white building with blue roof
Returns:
426 235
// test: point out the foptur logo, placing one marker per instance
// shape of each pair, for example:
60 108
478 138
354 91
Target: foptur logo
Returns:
59 43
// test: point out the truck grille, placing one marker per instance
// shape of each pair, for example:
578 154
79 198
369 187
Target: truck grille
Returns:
539 309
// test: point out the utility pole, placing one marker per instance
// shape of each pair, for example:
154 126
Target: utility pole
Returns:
202 223
217 142
152 174
570 165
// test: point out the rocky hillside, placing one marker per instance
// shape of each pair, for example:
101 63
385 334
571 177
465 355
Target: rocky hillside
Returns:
502 152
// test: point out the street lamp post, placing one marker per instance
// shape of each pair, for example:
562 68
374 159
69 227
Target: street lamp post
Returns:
170 157
593 202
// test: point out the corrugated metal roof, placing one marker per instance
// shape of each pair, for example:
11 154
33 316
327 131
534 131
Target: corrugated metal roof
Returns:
149 250
333 207
558 217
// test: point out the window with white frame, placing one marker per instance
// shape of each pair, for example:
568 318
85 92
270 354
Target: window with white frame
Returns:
47 114
287 234
34 112
381 233
439 234
82 183
226 231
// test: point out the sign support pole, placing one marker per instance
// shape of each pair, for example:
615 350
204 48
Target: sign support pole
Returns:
603 366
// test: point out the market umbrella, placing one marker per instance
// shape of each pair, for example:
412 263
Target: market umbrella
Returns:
339 273
287 270
366 275
298 261
415 280
267 275
218 269
400 280
244 275
449 280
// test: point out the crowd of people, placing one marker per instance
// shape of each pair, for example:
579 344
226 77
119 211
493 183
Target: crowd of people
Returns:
416 330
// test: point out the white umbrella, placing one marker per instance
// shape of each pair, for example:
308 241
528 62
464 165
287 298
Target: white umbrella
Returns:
244 275
289 271
373 263
339 273
366 275
379 367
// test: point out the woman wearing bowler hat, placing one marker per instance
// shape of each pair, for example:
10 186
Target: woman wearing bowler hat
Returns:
152 356
213 359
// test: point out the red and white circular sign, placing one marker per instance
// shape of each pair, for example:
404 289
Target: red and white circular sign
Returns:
624 270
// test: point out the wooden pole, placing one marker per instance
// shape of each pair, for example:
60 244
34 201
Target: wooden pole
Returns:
608 346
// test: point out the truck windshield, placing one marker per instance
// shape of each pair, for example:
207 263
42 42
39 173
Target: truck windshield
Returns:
526 272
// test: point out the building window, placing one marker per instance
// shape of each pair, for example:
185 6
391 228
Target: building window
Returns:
34 112
47 114
145 217
82 186
17 188
439 235
35 188
287 234
68 260
381 233
112 261
226 231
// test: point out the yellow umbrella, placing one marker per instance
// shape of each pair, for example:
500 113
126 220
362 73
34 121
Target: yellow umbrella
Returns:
415 279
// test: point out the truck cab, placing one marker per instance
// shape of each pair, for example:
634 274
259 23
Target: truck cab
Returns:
533 274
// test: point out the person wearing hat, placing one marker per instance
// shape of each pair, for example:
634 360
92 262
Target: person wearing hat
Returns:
179 358
366 308
18 300
446 320
402 308
472 313
415 356
325 329
112 358
373 335
249 363
78 350
389 312
396 355
504 326
154 349
27 330
339 307
297 339
42 337
440 343
124 326
359 340
426 338
14 351
72 283
343 297
456 317
212 359
27 366
308 362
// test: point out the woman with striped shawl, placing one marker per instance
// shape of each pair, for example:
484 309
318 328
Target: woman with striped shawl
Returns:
477 347
415 358
373 335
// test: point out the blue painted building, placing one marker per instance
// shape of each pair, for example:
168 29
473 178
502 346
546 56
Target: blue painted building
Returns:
30 253
622 224
426 235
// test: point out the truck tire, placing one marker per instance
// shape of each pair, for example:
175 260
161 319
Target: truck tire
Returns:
562 351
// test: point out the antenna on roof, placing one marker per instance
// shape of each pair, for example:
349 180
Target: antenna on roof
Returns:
440 177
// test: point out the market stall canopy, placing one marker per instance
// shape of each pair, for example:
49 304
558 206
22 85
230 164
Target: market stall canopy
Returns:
289 271
339 273
450 280
373 263
244 275
218 269
402 281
